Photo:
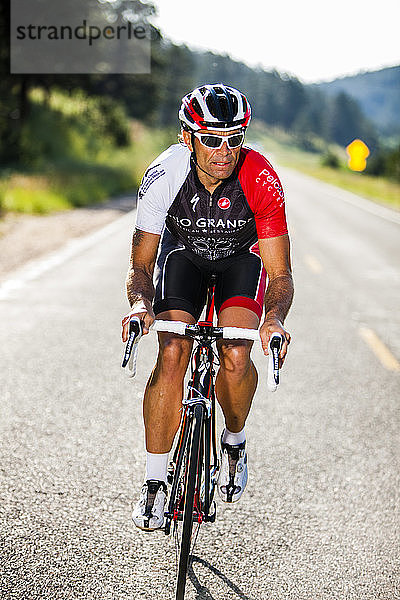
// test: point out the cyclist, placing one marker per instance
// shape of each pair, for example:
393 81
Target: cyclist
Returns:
207 206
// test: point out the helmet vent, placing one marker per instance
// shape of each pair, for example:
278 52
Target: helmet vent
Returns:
196 105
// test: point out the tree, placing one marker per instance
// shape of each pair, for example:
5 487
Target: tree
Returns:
347 122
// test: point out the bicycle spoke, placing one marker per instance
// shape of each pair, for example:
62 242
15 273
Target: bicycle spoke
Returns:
177 547
195 535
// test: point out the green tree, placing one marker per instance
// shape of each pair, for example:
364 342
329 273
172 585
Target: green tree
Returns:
385 162
347 122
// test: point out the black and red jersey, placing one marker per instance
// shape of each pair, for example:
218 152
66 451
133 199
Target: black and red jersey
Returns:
247 206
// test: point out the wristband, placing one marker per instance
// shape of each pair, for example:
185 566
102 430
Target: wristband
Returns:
138 307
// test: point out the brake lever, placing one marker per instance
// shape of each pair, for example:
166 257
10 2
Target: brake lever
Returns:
274 348
130 355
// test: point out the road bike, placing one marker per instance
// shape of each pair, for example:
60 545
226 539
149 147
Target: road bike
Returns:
194 467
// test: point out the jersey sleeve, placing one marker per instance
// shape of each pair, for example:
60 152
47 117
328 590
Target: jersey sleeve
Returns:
159 186
152 204
264 194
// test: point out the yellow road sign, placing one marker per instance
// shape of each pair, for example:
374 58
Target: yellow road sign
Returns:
358 153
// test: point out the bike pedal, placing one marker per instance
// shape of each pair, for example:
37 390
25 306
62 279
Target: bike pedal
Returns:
167 528
211 517
170 474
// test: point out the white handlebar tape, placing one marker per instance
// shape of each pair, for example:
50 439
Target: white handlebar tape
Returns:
271 384
133 357
232 333
172 326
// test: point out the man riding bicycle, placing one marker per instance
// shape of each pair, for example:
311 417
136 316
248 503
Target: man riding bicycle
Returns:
207 208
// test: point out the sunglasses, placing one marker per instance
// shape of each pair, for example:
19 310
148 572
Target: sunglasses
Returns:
216 141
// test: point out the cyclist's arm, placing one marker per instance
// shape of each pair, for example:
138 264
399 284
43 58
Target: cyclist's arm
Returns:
275 254
139 281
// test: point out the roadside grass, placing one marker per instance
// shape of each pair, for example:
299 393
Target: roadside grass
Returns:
61 188
283 149
378 189
71 163
30 195
68 184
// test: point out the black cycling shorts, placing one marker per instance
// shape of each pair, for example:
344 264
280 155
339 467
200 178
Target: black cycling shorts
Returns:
182 280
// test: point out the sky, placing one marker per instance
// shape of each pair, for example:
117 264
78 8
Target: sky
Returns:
311 39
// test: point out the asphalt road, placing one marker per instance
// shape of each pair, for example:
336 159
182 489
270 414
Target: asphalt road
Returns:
320 517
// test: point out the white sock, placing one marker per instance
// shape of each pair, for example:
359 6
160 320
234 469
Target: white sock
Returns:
233 438
157 466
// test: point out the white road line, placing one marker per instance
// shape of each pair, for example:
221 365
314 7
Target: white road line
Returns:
381 351
313 264
368 205
389 214
33 269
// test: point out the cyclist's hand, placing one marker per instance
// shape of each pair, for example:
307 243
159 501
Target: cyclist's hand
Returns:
144 311
270 326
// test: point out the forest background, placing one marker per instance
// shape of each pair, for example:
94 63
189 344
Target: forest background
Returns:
73 140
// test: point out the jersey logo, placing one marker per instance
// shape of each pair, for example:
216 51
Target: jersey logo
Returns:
194 201
151 175
224 203
212 248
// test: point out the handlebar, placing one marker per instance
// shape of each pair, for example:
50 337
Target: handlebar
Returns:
198 331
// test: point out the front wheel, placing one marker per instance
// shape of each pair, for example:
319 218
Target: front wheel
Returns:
193 477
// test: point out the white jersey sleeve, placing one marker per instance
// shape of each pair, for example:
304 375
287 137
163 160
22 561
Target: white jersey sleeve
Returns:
159 187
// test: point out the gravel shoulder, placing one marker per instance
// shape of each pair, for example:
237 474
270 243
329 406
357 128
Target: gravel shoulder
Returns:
25 237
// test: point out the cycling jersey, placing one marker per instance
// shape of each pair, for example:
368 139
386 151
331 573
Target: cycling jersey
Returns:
245 207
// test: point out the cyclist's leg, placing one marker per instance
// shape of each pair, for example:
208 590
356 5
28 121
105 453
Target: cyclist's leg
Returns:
162 402
181 289
237 376
239 300
235 387
164 390
239 294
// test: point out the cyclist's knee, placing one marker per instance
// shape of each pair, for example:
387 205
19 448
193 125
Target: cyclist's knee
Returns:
173 356
235 358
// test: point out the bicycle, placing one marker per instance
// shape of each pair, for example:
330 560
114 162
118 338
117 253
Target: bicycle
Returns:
194 467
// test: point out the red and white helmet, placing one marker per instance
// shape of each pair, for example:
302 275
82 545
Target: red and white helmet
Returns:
214 106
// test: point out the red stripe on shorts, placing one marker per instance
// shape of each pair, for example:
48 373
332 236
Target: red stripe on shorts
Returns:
244 302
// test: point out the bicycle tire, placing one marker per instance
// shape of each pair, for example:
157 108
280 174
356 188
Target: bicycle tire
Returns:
189 501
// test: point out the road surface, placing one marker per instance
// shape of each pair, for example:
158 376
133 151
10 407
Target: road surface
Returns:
320 518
